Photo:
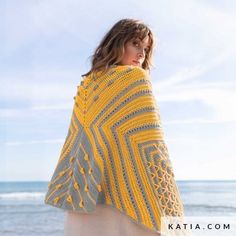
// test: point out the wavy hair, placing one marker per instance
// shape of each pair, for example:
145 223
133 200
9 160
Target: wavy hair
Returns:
111 48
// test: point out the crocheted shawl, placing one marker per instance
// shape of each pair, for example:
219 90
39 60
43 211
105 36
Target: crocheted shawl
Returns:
114 152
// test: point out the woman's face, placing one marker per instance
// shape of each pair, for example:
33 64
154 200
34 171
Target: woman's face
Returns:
135 52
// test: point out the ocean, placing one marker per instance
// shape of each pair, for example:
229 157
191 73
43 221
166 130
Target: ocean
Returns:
23 212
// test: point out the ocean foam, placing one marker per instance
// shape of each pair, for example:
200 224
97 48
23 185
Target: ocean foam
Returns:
22 195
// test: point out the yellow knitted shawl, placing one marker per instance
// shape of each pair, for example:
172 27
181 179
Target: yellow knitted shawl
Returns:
115 153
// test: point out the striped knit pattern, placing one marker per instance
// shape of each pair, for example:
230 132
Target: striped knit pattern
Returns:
115 153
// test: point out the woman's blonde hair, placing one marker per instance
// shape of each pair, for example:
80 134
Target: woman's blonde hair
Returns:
111 48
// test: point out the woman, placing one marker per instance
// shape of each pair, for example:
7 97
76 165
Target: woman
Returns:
114 176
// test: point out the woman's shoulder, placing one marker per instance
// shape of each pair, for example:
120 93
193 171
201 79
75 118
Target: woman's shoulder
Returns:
119 72
127 74
130 67
130 70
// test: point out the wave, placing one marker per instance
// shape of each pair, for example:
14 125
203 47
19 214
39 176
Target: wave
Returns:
211 207
22 195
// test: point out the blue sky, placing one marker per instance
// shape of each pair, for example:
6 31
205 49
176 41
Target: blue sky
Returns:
45 47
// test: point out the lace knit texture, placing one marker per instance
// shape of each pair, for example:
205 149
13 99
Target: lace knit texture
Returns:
115 153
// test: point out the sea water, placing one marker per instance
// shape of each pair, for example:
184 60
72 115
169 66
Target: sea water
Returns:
23 212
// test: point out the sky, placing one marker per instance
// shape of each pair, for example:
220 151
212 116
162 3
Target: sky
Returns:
45 47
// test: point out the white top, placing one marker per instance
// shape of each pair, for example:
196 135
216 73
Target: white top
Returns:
105 221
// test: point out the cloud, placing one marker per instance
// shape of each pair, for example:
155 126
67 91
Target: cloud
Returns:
219 100
43 41
198 121
187 74
218 96
30 142
40 84
65 106
28 21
